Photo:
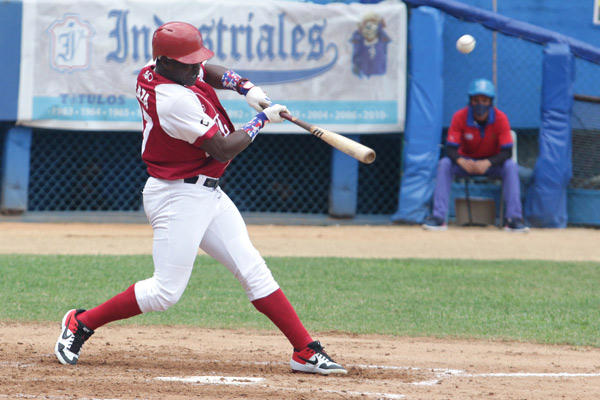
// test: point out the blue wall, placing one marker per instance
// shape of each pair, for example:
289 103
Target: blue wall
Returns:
10 48
569 17
519 61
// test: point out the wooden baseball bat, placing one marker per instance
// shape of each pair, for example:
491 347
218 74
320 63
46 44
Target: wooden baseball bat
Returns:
354 149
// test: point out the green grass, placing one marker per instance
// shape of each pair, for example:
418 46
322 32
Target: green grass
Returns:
535 301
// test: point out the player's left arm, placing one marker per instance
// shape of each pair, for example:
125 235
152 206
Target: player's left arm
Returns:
225 148
505 139
222 78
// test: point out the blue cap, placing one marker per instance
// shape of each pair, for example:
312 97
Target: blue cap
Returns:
482 86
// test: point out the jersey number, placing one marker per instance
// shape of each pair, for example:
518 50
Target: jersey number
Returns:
222 127
148 124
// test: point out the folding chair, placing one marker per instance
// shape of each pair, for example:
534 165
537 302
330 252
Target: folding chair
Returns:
484 179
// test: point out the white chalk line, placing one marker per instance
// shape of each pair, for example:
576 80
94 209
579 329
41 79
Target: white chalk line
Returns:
446 373
218 380
238 381
534 375
16 364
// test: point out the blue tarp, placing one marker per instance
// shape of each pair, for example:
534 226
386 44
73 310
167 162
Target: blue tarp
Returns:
424 115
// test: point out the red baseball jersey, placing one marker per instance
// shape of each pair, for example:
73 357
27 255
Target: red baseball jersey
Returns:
476 141
177 120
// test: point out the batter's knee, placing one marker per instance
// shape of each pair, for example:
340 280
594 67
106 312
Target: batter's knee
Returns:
166 299
259 282
151 295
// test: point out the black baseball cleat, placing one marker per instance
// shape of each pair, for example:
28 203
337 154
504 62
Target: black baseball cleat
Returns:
313 360
515 225
74 334
433 223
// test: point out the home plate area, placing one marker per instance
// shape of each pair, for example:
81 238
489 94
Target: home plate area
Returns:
362 381
241 381
376 377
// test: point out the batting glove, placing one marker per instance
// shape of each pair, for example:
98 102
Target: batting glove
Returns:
272 113
258 99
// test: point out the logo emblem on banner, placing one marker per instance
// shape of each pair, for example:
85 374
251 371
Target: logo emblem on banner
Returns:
369 47
70 43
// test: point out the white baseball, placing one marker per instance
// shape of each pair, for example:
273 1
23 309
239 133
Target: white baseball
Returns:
465 44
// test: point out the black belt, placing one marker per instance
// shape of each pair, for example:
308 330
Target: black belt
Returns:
209 182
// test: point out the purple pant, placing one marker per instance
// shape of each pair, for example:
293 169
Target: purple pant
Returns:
508 172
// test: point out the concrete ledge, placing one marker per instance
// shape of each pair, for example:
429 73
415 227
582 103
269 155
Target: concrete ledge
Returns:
138 217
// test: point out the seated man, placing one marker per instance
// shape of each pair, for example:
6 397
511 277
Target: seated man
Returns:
479 143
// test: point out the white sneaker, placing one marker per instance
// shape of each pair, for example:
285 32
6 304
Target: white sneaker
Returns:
74 334
313 360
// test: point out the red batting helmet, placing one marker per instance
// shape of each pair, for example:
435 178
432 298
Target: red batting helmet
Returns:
179 41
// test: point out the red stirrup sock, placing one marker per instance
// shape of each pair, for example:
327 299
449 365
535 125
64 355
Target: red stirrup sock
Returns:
279 310
124 305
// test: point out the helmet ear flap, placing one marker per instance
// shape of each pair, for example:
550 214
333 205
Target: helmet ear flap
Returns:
179 41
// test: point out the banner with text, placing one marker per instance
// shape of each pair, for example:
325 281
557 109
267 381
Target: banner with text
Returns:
340 66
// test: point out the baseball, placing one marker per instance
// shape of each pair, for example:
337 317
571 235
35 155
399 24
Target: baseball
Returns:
465 44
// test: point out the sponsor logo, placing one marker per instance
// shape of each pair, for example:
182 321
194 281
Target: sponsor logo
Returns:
308 361
61 351
66 334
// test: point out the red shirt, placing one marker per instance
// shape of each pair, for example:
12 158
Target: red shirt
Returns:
177 120
476 141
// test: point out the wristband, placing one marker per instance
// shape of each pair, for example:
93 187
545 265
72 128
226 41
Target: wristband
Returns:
244 86
255 124
232 81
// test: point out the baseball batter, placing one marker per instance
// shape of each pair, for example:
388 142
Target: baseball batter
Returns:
188 142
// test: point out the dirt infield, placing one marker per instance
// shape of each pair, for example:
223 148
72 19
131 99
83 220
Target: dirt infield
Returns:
334 241
135 362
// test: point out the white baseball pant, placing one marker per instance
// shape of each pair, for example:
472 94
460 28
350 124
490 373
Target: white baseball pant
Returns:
187 216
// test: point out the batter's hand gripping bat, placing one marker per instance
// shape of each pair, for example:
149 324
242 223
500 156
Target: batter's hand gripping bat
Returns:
354 149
